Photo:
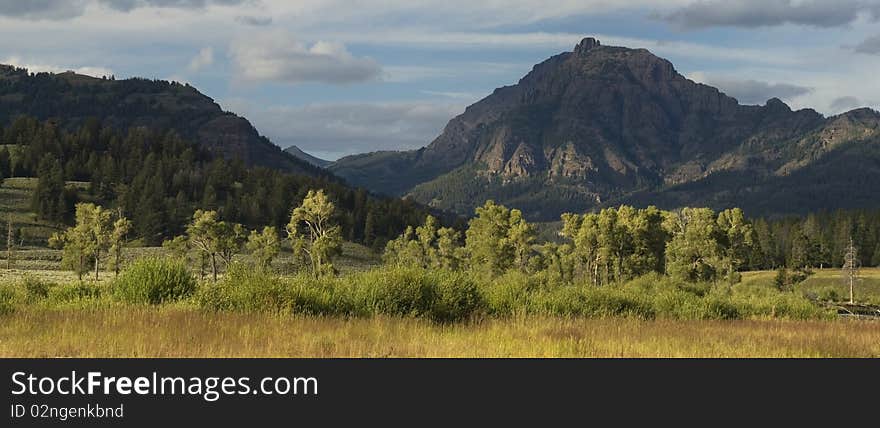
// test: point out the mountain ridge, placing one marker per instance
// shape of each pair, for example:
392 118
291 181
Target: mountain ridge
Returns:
74 98
300 154
599 124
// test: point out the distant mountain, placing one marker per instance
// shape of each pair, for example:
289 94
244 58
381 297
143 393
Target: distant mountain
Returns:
299 154
73 99
603 125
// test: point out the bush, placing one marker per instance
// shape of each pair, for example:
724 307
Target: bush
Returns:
35 288
456 296
251 289
8 299
438 295
154 280
73 293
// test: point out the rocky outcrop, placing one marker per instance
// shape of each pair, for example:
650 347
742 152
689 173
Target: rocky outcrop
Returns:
601 122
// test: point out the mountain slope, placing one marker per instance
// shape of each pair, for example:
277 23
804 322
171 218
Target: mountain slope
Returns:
301 155
603 124
73 99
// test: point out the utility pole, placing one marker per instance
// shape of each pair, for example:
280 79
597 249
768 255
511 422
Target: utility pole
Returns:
851 268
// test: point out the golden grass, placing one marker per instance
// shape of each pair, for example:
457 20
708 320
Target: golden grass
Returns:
186 332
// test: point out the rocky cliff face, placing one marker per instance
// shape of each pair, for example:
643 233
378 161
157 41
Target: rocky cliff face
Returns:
600 123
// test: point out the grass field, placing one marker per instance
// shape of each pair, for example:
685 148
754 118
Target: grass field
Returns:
184 332
823 282
105 327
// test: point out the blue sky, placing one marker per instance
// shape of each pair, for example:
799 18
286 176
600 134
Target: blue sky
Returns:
341 77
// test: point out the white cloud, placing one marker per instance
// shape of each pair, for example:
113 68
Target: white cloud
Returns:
750 91
36 67
204 58
766 13
278 57
842 104
68 9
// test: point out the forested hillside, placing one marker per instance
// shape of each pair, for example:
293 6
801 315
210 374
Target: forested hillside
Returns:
158 179
72 100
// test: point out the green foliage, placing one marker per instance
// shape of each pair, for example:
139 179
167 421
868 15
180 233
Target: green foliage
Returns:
694 253
35 288
264 246
161 177
214 238
427 246
94 234
8 299
154 280
616 244
441 296
73 292
498 239
313 234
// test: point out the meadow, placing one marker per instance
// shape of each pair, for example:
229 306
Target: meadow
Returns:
284 317
165 308
187 332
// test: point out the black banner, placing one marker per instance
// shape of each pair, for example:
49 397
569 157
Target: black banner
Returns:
417 392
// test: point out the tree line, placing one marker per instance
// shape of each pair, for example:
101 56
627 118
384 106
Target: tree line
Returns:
622 243
314 238
158 180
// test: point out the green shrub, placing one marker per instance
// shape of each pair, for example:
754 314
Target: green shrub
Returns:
249 289
437 295
154 280
73 292
456 296
35 288
828 294
8 299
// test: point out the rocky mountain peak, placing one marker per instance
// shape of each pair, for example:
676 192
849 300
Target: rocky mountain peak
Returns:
609 123
586 45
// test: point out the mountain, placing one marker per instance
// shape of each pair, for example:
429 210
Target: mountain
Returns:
299 154
72 99
603 125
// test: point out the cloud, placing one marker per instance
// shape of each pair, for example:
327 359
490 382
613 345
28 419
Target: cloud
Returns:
845 103
203 59
256 21
752 91
42 9
128 5
278 57
38 68
767 13
467 96
67 9
870 46
332 130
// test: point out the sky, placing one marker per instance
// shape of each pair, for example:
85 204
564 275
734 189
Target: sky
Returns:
341 77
